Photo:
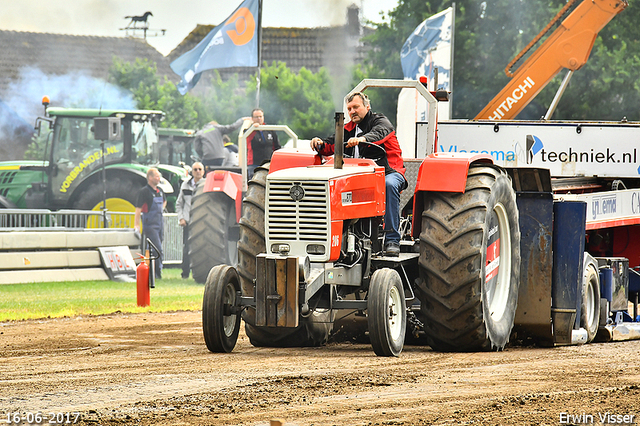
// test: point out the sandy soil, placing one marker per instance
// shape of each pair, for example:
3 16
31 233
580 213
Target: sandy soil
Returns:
155 369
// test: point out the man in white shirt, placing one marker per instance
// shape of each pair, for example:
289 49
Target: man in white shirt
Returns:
183 208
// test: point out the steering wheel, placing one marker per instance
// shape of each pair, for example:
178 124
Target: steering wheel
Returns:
369 150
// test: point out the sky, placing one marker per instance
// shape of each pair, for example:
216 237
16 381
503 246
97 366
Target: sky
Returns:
178 18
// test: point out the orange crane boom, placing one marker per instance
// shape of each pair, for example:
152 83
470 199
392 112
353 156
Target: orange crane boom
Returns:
568 47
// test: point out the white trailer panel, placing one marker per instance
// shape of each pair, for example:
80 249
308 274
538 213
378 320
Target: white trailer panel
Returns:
565 148
609 209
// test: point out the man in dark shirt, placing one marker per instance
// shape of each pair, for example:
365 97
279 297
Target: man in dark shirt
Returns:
150 205
260 144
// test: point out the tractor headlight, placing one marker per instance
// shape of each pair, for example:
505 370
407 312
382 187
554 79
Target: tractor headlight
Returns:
280 248
315 249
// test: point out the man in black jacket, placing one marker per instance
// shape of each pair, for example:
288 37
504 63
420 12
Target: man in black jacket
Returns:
375 128
260 144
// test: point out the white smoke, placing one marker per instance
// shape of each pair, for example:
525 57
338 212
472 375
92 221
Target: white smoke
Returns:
76 89
23 102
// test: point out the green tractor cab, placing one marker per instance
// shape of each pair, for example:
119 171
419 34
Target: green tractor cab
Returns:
70 175
177 146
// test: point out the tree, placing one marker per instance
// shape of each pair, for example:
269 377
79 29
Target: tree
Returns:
488 34
385 44
302 101
142 80
224 101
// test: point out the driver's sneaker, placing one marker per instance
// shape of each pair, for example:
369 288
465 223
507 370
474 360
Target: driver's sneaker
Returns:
392 248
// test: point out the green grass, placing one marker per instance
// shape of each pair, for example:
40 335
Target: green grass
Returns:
67 299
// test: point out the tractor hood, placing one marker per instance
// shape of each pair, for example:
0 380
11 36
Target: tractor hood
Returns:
326 171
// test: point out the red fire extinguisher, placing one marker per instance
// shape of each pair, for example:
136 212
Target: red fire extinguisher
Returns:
142 281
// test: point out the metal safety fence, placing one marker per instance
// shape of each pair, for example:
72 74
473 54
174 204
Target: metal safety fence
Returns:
43 219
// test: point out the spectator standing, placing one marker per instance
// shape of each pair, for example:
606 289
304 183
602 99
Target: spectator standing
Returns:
150 204
260 144
209 145
183 208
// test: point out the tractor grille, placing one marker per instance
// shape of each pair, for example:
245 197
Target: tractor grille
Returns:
304 220
6 177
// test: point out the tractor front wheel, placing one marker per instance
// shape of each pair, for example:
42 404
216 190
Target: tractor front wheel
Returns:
386 312
220 316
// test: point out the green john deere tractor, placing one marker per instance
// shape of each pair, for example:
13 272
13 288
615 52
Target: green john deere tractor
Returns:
69 176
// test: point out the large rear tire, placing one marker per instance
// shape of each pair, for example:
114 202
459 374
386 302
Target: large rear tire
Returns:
212 240
386 312
470 263
313 330
220 322
121 197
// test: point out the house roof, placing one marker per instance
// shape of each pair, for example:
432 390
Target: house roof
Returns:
55 55
59 54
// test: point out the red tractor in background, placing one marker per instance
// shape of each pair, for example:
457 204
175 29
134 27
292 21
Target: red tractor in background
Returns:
216 208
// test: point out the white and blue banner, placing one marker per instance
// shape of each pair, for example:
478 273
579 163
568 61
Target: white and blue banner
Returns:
234 43
429 47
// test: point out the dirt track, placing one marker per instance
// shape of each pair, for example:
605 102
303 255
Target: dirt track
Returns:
155 369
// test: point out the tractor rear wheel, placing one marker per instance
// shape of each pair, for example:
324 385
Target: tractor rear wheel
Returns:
590 304
121 197
212 238
313 330
470 263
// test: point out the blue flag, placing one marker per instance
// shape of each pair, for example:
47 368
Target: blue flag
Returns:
429 46
234 43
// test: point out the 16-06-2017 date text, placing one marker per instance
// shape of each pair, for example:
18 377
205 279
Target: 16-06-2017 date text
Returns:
39 418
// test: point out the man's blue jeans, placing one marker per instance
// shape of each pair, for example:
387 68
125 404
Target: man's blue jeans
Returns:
394 183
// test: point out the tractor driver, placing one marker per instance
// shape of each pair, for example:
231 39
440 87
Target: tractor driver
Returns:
368 126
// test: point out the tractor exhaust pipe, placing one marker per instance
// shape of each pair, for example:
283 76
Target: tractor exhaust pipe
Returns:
338 148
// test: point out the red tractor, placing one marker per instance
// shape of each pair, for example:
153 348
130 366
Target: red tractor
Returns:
310 245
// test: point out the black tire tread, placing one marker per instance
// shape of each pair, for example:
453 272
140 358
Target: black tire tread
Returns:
451 256
124 187
208 230
212 304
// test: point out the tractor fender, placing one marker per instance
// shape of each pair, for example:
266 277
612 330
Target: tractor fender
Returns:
442 172
111 172
287 158
447 172
227 182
